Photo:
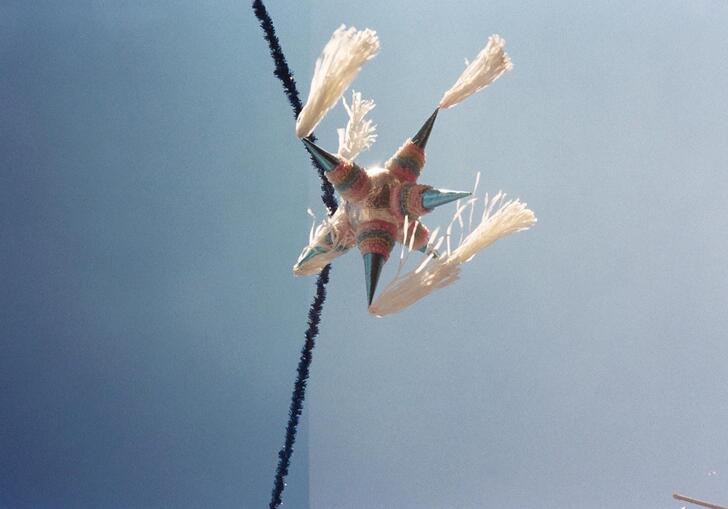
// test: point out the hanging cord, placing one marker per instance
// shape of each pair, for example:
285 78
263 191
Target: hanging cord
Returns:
299 388
284 74
314 313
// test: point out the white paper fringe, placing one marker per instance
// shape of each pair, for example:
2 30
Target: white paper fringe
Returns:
499 220
359 134
336 68
487 67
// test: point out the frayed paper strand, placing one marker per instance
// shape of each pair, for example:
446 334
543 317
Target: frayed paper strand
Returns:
500 218
487 67
359 134
336 68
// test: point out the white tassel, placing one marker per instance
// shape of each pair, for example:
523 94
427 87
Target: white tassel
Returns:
499 220
408 289
359 134
336 68
509 217
487 67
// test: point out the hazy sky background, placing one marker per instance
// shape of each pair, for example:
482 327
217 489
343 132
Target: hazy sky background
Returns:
152 202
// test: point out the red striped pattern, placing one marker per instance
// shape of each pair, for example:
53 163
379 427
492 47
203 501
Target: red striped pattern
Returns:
407 163
376 236
406 200
350 180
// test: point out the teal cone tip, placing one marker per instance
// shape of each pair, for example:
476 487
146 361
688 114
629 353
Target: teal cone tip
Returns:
327 160
373 263
420 139
432 198
310 253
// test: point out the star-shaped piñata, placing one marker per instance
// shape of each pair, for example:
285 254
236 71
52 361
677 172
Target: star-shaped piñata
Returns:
375 204
382 206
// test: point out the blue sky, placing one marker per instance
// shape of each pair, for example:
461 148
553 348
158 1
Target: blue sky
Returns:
153 200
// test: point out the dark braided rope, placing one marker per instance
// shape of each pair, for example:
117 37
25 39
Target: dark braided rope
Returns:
299 388
284 74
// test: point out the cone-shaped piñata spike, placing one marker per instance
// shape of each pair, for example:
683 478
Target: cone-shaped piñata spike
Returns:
308 254
420 139
327 160
351 181
376 241
432 198
373 263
